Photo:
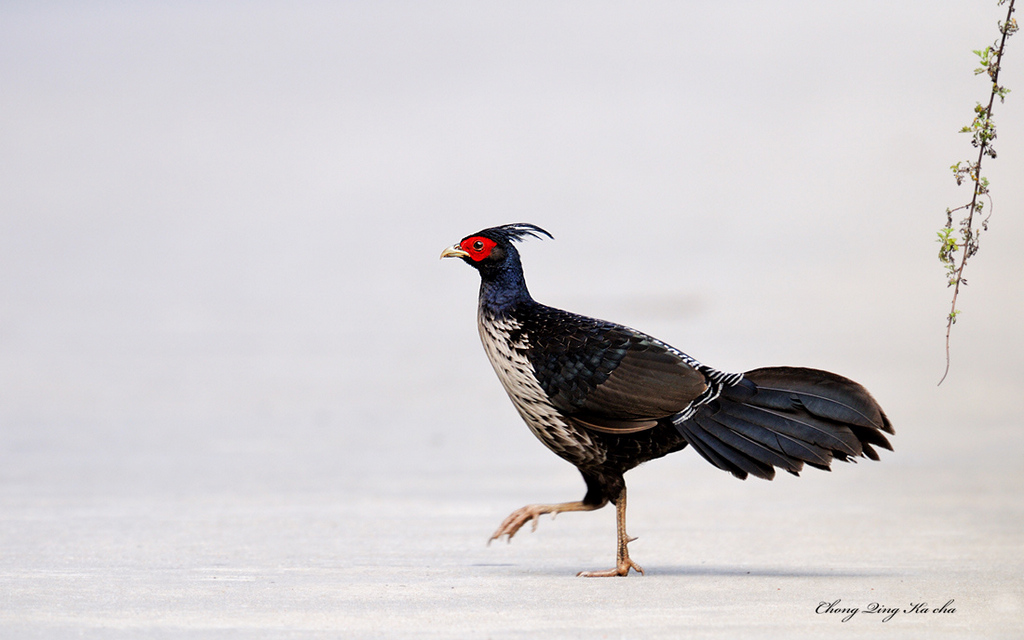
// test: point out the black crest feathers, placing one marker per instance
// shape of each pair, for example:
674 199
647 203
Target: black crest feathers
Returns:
516 232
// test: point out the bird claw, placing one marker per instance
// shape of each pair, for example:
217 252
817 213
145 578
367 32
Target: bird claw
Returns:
621 570
515 521
623 564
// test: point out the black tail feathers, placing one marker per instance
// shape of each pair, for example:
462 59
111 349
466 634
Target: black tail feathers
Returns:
785 417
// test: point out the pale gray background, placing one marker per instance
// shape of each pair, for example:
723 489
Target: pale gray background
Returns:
240 395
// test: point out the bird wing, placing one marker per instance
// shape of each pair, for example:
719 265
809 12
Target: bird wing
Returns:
608 377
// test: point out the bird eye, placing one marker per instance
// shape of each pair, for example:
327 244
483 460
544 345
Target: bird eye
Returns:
478 245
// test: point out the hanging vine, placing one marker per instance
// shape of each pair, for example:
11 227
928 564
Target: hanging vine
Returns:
959 243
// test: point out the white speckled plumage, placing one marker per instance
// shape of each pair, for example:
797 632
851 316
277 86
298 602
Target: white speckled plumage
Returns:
520 382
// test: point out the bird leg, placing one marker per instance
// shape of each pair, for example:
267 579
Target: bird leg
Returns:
623 563
521 516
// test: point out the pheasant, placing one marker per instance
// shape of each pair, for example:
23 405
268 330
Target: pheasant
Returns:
607 398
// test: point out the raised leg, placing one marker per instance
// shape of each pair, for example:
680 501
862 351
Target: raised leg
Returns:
519 517
622 561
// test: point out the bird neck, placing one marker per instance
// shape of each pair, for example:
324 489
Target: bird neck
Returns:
503 289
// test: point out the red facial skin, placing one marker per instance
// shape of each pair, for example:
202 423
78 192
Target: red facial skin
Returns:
478 247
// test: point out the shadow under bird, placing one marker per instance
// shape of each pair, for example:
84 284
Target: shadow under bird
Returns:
608 398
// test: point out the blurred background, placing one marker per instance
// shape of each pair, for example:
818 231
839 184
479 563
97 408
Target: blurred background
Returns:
220 225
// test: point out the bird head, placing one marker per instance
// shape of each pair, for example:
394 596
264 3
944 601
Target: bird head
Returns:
491 250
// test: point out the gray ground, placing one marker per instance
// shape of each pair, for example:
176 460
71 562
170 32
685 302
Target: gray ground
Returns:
240 396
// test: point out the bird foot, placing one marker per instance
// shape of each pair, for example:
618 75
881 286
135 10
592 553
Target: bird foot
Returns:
623 563
515 521
621 570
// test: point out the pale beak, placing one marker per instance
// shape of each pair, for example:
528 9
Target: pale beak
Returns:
454 252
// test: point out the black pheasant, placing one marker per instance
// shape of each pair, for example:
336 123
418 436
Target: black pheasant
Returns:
608 398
